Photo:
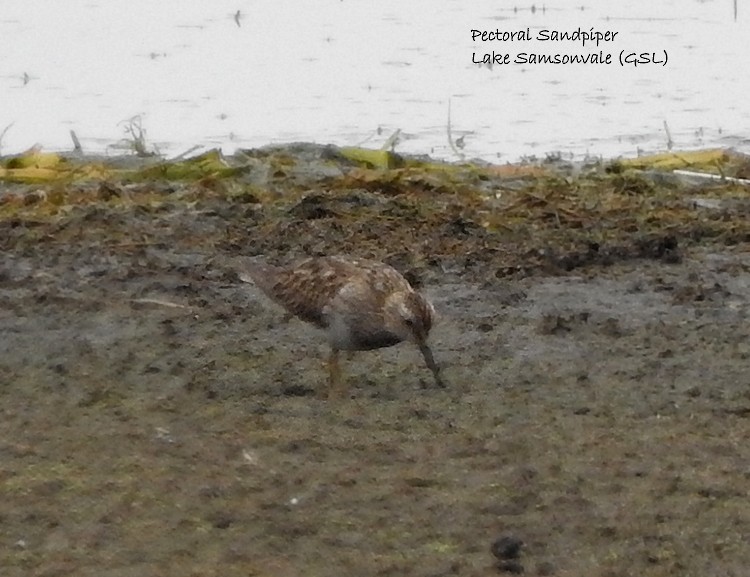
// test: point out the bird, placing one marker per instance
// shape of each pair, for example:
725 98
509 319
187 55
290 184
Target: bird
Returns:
361 305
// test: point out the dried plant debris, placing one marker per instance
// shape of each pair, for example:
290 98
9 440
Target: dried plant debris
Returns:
478 220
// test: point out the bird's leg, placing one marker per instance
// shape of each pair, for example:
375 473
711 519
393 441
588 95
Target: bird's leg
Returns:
335 386
431 364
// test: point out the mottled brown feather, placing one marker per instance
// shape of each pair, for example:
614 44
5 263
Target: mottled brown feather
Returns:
307 287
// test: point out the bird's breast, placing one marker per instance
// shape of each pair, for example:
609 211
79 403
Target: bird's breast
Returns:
359 336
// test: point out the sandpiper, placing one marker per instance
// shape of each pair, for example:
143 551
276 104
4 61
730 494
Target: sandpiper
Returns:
361 305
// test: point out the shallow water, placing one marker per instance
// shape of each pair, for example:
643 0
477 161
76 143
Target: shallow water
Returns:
354 72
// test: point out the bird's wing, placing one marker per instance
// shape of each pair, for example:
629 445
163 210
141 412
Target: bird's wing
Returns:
304 289
308 287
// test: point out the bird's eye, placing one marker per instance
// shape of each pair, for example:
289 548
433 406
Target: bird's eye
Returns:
409 322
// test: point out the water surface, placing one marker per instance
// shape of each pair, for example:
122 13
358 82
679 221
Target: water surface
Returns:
352 72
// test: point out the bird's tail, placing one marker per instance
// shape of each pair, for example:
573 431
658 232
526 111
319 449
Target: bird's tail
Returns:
258 272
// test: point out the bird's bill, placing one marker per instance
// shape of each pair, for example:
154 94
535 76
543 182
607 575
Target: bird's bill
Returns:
430 360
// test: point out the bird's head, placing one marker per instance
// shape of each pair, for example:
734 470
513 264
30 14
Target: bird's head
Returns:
410 316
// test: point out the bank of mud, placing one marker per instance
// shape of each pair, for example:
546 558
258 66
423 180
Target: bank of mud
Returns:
160 418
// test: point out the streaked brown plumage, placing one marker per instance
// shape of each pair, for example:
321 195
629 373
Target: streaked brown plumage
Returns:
361 304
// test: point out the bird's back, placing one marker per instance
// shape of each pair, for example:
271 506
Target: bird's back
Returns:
306 288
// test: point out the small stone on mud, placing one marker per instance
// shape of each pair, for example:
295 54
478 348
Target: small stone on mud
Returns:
221 521
168 328
60 369
506 547
297 391
693 392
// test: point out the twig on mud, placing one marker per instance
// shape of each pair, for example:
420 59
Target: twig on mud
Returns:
708 176
118 245
158 302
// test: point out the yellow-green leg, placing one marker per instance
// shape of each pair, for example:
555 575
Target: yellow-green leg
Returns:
336 385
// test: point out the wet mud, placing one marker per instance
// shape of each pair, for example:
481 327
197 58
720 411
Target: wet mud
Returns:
159 417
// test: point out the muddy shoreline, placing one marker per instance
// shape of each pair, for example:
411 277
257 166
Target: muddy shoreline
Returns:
160 418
